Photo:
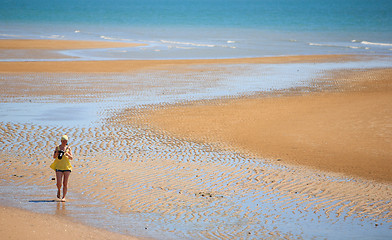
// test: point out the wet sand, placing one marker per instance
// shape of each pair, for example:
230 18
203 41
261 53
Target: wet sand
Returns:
19 224
149 177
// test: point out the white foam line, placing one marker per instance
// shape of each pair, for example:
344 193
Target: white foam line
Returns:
322 45
186 43
378 44
338 46
56 36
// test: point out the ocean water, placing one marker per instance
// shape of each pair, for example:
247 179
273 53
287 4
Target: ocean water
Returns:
178 29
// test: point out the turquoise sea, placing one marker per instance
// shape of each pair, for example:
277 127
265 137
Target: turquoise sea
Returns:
206 28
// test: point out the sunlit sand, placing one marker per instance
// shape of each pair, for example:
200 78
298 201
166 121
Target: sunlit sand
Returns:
283 160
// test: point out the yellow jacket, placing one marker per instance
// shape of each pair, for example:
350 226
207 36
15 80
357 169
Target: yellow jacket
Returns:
63 163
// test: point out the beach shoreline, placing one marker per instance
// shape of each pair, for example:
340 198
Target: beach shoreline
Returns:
203 163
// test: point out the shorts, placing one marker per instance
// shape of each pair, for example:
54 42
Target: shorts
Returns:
57 170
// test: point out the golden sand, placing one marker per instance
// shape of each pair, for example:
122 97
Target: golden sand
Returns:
132 163
347 131
136 65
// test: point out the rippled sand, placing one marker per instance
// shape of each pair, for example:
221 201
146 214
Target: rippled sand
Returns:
146 181
214 193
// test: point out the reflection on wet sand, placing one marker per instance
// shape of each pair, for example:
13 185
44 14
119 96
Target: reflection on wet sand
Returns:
61 209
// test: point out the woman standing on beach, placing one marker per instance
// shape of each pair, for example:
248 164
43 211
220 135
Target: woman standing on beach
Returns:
62 155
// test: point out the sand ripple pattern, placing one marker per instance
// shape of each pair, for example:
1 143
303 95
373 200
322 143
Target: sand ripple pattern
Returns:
193 190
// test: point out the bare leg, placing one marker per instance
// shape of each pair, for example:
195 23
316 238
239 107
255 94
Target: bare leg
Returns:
65 184
59 178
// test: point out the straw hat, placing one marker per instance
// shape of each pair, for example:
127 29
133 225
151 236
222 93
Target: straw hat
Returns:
64 137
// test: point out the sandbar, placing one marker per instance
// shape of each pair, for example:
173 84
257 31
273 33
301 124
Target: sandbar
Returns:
136 65
345 128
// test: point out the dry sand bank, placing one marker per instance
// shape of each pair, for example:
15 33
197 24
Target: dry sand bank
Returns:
345 129
135 65
20 224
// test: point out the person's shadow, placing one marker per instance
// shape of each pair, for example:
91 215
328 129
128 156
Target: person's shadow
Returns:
42 201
